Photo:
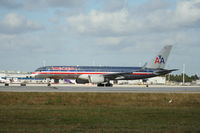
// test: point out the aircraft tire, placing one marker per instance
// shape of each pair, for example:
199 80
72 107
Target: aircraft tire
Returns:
100 85
105 85
6 84
108 85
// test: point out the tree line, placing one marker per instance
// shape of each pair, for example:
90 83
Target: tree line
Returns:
179 78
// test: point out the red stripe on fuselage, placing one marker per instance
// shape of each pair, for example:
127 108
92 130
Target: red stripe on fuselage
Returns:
68 73
139 73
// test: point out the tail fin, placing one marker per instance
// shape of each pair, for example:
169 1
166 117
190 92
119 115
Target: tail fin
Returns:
160 60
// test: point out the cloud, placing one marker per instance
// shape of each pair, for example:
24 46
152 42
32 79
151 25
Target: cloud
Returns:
43 4
10 4
14 23
109 40
154 5
65 3
113 5
185 15
97 22
188 12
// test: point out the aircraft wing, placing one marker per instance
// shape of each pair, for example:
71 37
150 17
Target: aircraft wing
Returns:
122 75
162 72
117 76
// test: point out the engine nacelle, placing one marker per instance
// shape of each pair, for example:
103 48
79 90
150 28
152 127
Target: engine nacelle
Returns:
96 79
82 81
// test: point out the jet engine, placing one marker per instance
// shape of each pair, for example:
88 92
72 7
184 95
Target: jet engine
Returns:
82 81
96 79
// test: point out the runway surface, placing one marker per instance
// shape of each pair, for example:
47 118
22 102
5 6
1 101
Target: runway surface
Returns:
117 89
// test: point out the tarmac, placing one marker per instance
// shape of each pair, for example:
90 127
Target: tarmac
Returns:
93 88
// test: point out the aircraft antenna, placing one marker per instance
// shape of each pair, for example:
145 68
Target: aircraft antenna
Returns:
44 63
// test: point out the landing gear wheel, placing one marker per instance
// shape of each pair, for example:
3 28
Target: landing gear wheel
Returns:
100 85
108 85
105 85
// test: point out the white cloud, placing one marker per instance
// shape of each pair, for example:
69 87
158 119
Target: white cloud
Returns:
14 23
154 5
186 14
109 41
65 3
97 22
10 4
113 5
43 4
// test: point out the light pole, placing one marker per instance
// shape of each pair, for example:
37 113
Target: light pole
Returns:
183 74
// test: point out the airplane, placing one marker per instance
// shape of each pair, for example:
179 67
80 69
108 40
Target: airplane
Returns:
101 75
3 80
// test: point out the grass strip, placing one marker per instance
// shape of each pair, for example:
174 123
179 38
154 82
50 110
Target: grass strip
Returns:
99 112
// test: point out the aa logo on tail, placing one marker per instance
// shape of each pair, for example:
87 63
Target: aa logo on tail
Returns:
159 59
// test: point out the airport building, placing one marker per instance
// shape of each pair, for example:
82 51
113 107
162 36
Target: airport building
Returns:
155 80
197 82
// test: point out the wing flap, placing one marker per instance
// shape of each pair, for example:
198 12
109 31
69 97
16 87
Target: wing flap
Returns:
117 76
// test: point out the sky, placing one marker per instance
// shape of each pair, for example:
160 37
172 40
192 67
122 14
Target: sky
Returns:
34 33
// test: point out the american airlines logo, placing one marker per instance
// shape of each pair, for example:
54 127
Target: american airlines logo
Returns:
159 59
63 68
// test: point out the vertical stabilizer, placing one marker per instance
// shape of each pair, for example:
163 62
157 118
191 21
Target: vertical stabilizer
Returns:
160 60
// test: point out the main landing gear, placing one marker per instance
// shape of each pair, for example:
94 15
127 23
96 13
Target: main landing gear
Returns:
105 85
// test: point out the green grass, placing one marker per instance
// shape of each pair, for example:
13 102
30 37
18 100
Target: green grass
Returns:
99 112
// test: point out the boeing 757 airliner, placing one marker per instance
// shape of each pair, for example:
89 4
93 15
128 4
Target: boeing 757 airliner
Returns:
101 75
